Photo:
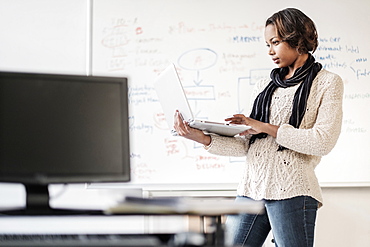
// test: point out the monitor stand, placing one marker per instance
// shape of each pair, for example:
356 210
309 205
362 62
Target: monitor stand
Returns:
38 203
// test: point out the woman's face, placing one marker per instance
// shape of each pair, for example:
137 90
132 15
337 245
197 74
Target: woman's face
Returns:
282 54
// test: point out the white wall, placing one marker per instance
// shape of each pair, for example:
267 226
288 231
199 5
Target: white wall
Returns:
344 220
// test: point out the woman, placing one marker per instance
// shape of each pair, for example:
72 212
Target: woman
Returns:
296 118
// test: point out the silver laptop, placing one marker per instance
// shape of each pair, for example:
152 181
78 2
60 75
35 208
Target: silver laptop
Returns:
172 97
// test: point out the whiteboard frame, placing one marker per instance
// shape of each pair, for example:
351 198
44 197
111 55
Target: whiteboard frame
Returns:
204 187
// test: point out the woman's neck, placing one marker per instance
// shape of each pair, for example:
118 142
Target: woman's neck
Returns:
299 62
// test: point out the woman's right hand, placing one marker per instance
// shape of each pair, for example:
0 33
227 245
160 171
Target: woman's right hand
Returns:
183 129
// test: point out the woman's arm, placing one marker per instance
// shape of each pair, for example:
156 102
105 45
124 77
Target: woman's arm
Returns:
321 138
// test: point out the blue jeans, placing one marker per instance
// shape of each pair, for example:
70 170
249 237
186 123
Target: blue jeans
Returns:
292 222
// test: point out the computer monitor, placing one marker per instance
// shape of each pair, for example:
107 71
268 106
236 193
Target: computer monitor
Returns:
60 129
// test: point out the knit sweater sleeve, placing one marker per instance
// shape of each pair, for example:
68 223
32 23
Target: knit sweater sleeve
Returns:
228 146
320 138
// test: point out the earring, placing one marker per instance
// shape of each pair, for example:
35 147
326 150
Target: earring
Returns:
299 53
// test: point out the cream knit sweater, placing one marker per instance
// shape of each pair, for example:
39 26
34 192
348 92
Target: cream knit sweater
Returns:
275 175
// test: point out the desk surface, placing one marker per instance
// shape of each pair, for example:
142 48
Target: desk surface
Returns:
189 206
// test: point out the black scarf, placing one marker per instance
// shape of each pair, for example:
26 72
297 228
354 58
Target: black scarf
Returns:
261 106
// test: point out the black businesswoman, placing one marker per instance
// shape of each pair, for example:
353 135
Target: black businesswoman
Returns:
296 117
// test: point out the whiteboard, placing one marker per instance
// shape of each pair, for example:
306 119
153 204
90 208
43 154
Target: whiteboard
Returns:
219 49
44 36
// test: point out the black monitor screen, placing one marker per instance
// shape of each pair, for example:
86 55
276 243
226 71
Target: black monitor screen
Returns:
63 128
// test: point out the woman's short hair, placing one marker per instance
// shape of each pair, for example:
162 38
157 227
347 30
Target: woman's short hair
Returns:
295 28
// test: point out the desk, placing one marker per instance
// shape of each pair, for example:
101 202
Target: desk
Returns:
214 208
210 207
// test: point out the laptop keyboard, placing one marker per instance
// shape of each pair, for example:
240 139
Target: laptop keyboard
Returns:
33 240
